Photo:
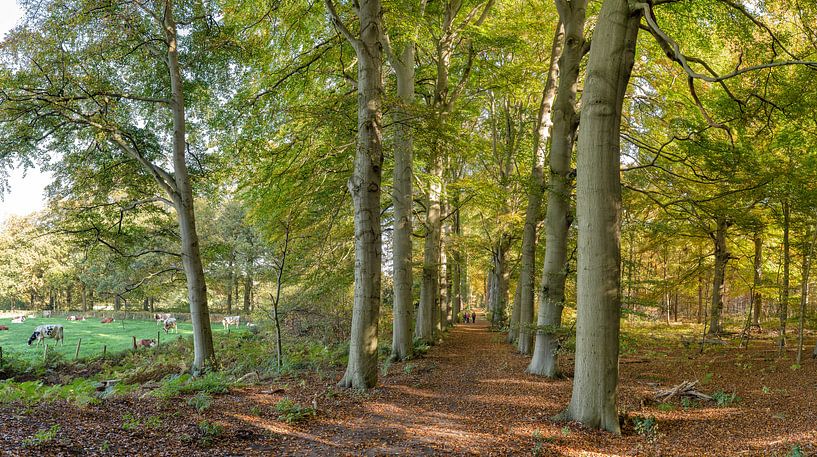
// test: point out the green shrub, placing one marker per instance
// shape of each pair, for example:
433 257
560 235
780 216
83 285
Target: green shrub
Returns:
291 412
796 451
42 437
79 392
646 427
201 401
173 386
666 407
130 422
722 398
208 432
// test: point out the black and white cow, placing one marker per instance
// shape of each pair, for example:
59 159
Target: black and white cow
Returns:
230 320
47 331
170 323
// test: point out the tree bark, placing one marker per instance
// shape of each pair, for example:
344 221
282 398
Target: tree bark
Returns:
230 280
535 191
204 353
425 325
456 273
721 258
595 383
513 327
365 188
804 292
248 281
557 217
757 296
783 310
402 197
117 302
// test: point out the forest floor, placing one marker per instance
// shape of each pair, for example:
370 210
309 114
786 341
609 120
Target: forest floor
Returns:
467 396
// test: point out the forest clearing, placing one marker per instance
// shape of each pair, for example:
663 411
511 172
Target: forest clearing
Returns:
408 227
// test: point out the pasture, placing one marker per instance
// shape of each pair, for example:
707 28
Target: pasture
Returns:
95 335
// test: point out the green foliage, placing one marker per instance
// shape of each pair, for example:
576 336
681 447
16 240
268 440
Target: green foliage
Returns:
201 401
80 392
646 427
796 451
42 437
688 403
723 398
707 378
208 432
130 422
291 412
176 385
665 407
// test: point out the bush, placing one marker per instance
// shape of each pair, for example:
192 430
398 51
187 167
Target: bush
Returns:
42 437
291 412
174 386
725 399
80 392
201 401
646 427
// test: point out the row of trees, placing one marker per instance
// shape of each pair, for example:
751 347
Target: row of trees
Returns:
468 113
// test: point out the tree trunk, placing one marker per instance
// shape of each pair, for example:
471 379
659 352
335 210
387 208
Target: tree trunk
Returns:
718 276
783 310
757 296
499 296
557 217
445 304
424 327
152 303
204 353
513 327
84 298
117 302
248 281
598 203
145 305
536 188
402 197
456 273
805 292
365 188
230 280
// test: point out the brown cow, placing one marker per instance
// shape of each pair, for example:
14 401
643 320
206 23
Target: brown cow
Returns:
3 327
146 343
107 320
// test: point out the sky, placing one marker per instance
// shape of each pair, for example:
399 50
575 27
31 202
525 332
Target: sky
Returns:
27 187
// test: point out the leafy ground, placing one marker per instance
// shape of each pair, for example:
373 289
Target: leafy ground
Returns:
467 396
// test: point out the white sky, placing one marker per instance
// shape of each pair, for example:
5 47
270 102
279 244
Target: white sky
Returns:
26 194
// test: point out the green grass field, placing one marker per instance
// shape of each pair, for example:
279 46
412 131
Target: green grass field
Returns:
116 336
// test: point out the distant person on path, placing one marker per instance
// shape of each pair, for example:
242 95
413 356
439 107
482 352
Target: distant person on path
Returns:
473 317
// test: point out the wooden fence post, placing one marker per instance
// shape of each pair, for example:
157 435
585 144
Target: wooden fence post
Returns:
104 350
1 356
134 342
76 354
45 353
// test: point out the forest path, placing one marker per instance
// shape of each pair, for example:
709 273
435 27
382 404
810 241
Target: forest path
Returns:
467 396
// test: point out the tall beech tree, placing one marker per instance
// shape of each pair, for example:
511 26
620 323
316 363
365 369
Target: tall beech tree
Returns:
364 185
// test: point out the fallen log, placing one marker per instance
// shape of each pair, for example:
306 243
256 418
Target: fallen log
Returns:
684 389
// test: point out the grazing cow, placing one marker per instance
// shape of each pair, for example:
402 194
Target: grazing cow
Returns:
47 331
18 320
47 313
73 318
230 320
252 328
161 317
170 323
107 320
3 327
146 343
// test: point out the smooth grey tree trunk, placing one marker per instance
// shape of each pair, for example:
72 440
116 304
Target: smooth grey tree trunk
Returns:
402 197
513 327
456 273
757 296
230 281
721 258
558 216
204 353
365 188
804 292
429 293
248 281
783 309
535 191
598 206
